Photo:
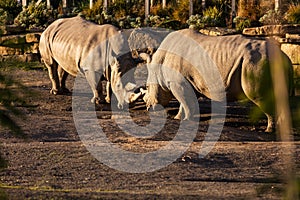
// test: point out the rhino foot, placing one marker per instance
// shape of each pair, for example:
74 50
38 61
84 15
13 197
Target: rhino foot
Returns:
107 99
97 100
54 91
269 130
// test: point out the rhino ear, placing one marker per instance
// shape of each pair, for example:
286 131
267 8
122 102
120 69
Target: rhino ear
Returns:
130 86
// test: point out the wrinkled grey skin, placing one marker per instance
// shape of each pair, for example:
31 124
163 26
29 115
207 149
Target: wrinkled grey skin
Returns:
73 45
243 63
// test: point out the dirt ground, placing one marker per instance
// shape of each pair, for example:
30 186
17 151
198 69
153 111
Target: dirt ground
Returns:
53 163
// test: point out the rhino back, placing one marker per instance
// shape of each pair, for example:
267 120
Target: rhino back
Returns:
71 40
227 53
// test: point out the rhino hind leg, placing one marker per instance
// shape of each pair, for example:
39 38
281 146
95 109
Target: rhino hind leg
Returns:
53 75
265 102
62 74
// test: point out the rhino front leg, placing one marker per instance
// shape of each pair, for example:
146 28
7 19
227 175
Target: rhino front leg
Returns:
62 74
108 92
53 75
184 95
271 124
93 79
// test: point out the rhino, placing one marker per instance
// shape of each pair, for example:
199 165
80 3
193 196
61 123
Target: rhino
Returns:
243 65
146 39
74 45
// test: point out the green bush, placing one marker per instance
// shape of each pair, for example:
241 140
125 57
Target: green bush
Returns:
241 23
181 13
35 16
95 14
272 17
212 16
3 17
293 13
12 8
195 22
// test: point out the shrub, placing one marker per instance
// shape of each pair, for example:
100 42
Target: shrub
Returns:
95 14
293 13
195 22
35 15
12 8
241 23
212 16
250 9
272 17
182 11
160 11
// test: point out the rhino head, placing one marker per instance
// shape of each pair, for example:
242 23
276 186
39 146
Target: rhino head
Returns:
122 80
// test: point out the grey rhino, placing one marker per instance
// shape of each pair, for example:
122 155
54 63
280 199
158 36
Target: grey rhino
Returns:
75 45
243 65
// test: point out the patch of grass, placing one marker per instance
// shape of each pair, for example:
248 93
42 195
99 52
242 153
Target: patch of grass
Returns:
13 64
3 195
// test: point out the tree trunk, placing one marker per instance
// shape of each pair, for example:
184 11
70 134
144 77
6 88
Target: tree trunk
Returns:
164 3
105 5
24 2
64 2
233 12
191 8
151 3
203 4
277 4
48 4
147 8
91 4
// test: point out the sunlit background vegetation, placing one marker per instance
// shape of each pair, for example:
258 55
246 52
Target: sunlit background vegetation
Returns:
175 15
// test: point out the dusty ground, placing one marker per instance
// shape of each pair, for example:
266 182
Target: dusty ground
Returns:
53 163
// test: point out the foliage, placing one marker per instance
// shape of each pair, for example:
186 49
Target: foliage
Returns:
36 15
293 13
163 22
212 16
12 8
250 9
219 10
7 100
160 11
241 23
272 17
195 22
3 19
94 14
12 95
182 11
